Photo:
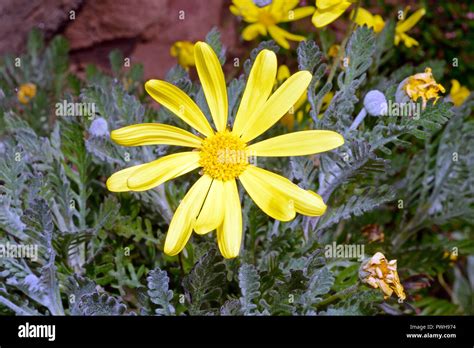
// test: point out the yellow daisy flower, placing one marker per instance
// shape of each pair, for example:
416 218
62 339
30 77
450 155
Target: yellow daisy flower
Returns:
372 21
26 92
424 86
264 20
184 51
223 154
405 25
327 11
458 93
380 273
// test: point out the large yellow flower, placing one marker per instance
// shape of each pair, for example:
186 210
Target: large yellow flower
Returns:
405 25
327 11
264 20
223 154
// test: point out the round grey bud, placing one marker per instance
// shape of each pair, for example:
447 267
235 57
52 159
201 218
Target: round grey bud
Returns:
375 103
99 128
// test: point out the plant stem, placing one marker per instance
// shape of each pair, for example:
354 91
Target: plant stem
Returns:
338 295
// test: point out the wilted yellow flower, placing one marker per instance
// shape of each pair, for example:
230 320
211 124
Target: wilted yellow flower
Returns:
458 93
380 273
264 20
333 51
26 92
184 51
423 85
327 11
405 25
372 21
224 154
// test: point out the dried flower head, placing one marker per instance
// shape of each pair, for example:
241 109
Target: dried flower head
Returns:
380 273
424 86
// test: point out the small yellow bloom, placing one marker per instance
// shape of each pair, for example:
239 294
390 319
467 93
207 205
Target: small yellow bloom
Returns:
223 153
333 51
458 93
26 92
264 20
327 11
453 257
372 21
405 25
184 51
380 273
423 85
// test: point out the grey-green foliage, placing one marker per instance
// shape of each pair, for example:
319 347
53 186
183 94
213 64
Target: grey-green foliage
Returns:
249 282
159 292
204 283
97 304
357 60
309 58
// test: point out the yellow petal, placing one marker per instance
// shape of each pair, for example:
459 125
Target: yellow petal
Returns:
455 86
278 35
212 212
157 172
117 182
154 134
321 17
258 89
245 8
283 73
179 103
181 225
410 22
364 17
297 144
305 202
273 203
407 40
213 83
298 13
324 4
253 30
229 234
277 105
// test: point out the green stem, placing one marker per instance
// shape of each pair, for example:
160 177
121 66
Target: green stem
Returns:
338 295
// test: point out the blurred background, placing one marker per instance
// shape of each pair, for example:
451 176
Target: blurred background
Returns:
144 30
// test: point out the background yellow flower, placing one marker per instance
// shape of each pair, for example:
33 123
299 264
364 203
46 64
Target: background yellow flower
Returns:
458 93
264 20
184 51
26 92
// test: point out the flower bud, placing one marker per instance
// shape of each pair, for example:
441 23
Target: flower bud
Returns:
375 103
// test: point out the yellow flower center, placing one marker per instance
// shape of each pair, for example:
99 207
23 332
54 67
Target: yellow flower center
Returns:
223 156
266 18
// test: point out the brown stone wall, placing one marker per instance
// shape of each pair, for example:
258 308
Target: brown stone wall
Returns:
143 29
